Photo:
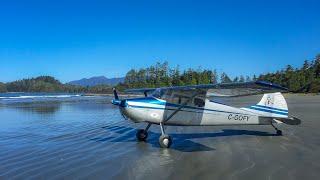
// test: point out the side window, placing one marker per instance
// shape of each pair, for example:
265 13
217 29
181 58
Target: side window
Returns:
177 99
198 102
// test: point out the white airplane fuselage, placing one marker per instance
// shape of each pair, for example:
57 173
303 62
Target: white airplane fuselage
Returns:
193 108
154 110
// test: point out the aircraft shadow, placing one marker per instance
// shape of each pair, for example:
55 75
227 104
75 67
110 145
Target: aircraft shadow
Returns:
181 142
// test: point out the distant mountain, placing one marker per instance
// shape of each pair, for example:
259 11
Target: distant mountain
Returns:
97 80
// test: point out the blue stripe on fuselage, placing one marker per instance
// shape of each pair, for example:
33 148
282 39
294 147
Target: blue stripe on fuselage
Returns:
270 111
150 100
272 108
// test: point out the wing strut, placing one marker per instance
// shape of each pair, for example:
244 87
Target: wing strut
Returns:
180 107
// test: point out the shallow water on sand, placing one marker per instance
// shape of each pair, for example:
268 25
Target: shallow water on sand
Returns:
86 137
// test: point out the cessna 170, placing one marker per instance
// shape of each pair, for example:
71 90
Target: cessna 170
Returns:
193 106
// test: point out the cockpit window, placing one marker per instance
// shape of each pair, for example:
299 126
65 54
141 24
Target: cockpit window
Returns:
198 102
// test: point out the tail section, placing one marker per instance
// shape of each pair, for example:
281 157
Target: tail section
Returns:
271 105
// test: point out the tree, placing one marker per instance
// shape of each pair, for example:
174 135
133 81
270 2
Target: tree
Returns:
254 78
225 78
3 87
241 79
175 77
317 66
214 77
236 79
248 79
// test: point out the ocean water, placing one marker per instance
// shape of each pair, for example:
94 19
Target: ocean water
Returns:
73 136
40 133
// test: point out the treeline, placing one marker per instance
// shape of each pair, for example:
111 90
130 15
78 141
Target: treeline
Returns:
161 74
50 84
3 87
303 79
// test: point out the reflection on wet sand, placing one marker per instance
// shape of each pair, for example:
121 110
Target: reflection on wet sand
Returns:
39 108
183 142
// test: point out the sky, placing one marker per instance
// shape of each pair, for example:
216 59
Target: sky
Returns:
76 39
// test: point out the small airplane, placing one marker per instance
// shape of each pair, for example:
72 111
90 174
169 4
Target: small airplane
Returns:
193 106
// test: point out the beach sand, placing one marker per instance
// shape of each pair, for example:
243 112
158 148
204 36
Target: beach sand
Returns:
92 140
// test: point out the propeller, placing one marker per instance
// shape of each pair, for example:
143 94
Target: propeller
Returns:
115 94
116 100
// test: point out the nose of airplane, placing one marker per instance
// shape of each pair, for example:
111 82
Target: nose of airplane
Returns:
121 103
124 110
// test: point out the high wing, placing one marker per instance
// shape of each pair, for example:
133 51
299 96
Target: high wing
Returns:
222 89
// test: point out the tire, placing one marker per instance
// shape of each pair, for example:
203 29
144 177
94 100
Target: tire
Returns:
142 135
165 141
279 132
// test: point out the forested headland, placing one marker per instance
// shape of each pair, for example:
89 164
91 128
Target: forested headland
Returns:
303 79
49 84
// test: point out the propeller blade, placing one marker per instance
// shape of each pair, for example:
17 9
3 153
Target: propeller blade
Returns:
116 97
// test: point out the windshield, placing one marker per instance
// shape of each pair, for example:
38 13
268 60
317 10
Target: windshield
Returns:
158 93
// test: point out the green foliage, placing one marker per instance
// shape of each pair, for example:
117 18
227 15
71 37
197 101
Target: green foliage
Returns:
50 84
100 89
304 79
225 78
39 84
161 74
3 87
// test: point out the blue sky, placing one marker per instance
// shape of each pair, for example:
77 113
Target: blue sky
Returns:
75 39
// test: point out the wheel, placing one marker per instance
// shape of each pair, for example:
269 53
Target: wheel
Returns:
165 141
142 135
279 132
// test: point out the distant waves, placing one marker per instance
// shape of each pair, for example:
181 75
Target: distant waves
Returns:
39 96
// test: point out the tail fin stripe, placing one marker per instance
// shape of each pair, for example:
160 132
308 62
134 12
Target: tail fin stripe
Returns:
272 108
270 111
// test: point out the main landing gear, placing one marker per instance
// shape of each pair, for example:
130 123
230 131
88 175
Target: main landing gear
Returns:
279 132
142 134
165 140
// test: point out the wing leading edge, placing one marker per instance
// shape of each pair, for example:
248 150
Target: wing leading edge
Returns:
223 89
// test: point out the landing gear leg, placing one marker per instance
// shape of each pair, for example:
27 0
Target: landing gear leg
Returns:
279 132
165 140
142 134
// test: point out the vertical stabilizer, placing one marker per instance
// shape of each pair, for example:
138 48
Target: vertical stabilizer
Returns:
271 105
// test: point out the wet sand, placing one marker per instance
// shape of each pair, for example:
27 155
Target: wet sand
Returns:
89 139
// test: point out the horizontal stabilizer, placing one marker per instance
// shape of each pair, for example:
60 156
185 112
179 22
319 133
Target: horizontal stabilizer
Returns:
290 121
287 120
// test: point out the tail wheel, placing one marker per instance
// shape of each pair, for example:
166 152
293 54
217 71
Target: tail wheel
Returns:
165 141
279 132
142 135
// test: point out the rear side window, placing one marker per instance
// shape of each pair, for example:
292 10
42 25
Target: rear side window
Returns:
198 102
